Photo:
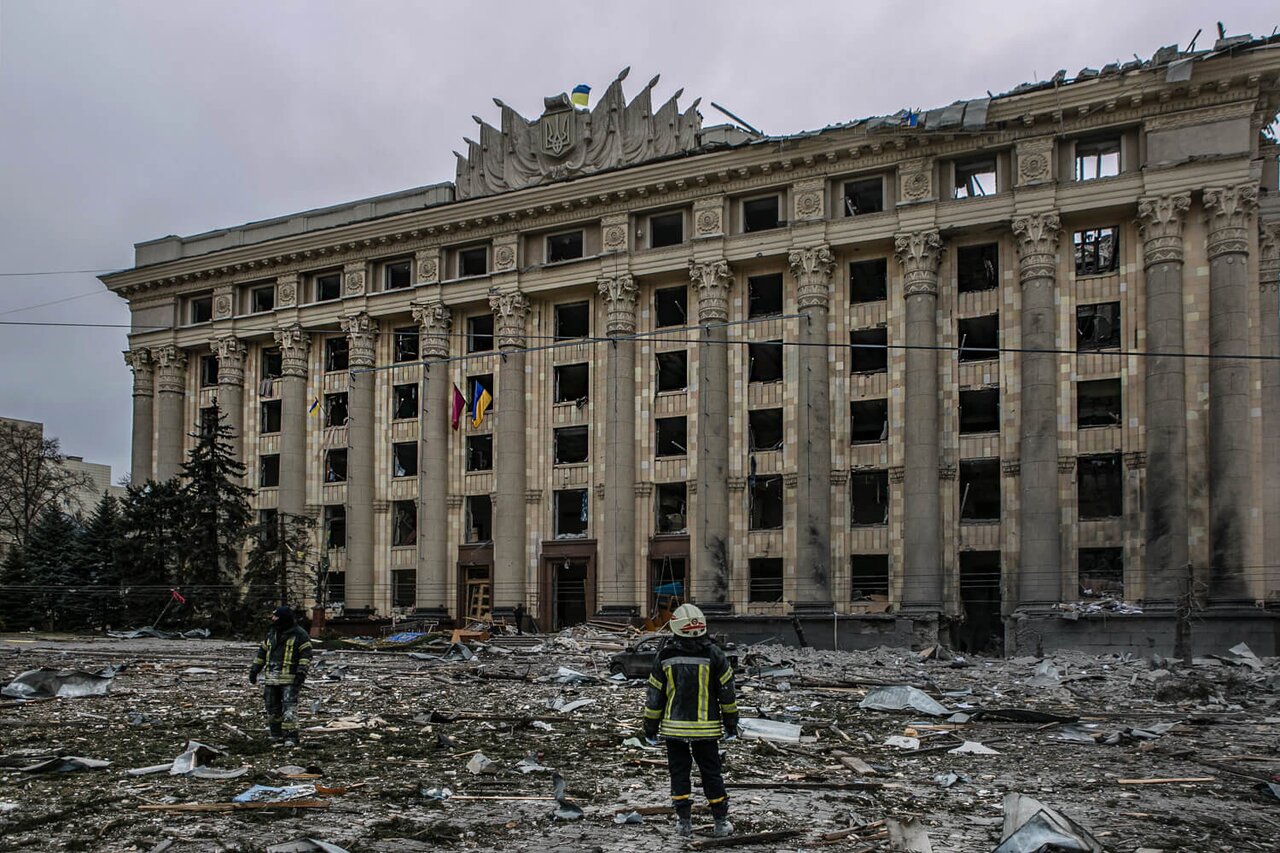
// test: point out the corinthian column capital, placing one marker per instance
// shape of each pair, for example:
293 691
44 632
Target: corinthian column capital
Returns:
1036 238
435 319
712 280
919 252
362 333
172 369
1160 221
139 361
1227 211
510 311
620 293
294 343
230 352
812 267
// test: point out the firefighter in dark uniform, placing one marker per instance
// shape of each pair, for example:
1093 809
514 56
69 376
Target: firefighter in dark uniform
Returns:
690 702
286 656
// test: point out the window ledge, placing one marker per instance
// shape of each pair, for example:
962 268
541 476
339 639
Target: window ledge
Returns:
979 521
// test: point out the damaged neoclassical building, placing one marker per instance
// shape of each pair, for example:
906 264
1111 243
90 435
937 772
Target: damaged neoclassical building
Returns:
969 372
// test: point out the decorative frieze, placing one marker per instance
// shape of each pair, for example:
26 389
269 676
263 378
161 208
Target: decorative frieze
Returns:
230 352
533 496
790 479
1135 460
1035 161
737 484
620 294
1036 238
1066 464
362 334
1227 211
1160 221
919 252
510 311
171 369
295 344
947 472
287 290
614 230
812 267
1011 469
808 200
691 487
839 477
708 218
434 319
139 361
453 501
712 280
644 490
897 473
915 180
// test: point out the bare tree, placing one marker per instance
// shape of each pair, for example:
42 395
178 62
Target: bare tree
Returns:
33 478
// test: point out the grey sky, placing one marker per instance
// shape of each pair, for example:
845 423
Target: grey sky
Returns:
126 121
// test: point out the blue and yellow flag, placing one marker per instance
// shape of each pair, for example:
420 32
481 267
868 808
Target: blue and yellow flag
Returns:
480 400
315 406
580 95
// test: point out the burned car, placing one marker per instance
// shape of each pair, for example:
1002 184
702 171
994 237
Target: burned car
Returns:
636 661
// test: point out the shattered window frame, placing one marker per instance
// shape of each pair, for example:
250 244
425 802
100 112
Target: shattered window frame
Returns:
1100 573
406 346
404 523
974 341
569 378
665 445
270 417
672 367
868 280
336 588
979 411
869 350
478 339
404 402
671 504
670 225
766 496
863 196
404 459
872 483
199 309
875 412
667 301
1099 403
566 246
564 445
479 519
326 286
208 371
480 452
765 295
761 356
977 268
974 506
262 299
337 410
337 354
473 261
1099 486
572 509
766 578
573 320
335 465
335 526
272 363
1098 158
1098 326
969 175
763 425
397 274
762 213
404 587
868 575
269 471
1096 250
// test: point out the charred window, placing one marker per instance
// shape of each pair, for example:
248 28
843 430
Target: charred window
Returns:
666 229
980 490
270 417
406 345
869 280
1097 250
764 427
671 500
764 295
760 214
869 421
404 587
869 351
863 196
980 410
269 470
1098 403
573 382
328 286
571 444
335 526
200 309
673 370
1098 158
1101 572
571 513
335 409
564 247
404 459
337 354
765 579
671 436
671 305
480 452
1100 486
208 371
397 274
480 333
573 320
869 492
1098 326
766 502
869 574
974 178
479 518
404 523
405 401
272 364
765 362
262 299
977 268
335 465
979 337
473 261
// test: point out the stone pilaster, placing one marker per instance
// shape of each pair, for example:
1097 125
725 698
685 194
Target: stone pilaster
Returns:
812 268
617 536
434 319
1269 308
1160 220
1039 553
231 352
1228 210
144 395
295 346
510 562
171 383
362 334
920 253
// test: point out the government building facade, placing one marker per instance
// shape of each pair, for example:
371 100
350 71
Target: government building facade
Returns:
1006 371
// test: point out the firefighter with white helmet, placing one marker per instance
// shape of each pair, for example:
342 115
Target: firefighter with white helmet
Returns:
691 703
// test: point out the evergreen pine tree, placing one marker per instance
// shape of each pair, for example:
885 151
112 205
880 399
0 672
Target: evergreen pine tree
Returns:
152 533
278 571
52 557
99 554
15 584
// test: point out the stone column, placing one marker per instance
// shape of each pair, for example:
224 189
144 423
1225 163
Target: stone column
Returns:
510 561
616 583
920 253
231 354
712 570
434 319
1039 555
171 383
1228 210
812 268
362 332
1269 306
144 395
295 345
1160 221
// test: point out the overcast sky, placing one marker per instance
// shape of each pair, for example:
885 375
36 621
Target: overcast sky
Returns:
126 121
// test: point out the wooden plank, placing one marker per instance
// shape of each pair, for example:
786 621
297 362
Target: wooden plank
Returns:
1169 781
854 763
743 840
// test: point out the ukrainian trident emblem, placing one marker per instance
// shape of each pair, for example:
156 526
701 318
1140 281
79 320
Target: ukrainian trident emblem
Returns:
557 133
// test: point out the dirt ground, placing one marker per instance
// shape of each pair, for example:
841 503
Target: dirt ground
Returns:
399 728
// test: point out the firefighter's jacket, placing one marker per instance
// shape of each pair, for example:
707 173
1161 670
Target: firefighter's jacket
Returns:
285 655
691 693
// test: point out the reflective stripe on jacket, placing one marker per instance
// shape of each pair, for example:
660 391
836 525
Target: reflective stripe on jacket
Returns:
691 692
284 655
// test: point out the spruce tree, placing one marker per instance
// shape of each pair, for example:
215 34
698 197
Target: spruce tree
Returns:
15 583
100 548
52 557
152 538
278 568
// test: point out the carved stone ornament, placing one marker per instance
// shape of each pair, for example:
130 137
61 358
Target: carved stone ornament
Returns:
613 230
915 180
1035 164
737 484
353 282
643 490
919 252
221 305
1269 262
812 267
1160 221
946 472
1066 464
286 291
231 352
453 501
139 361
295 344
808 199
708 215
171 372
620 294
1227 210
533 496
428 270
712 280
567 143
1135 460
790 479
510 311
504 256
691 487
897 474
839 477
1036 238
435 320
362 334
1011 469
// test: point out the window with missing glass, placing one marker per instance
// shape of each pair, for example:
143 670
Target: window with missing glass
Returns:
405 344
980 490
868 280
764 362
1097 158
262 299
764 295
764 429
404 523
977 268
272 364
979 410
564 247
1100 486
671 306
673 370
269 470
337 354
335 525
480 452
761 214
666 229
208 371
1097 250
269 417
335 409
404 587
573 320
974 177
473 261
671 436
397 274
1098 403
326 286
1098 326
869 497
200 309
404 459
671 507
765 492
404 401
765 576
869 350
480 333
335 465
865 195
572 383
979 337
479 520
572 511
869 421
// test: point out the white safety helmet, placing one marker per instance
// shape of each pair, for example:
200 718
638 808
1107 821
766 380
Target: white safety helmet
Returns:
688 621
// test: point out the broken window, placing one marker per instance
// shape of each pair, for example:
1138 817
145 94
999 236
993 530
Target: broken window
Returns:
980 490
208 371
404 459
571 513
404 587
671 500
975 177
671 436
272 364
869 351
760 214
335 409
1098 403
564 247
766 501
337 354
479 518
869 492
765 362
480 333
673 370
404 523
764 294
335 526
1097 326
863 196
270 417
573 320
1097 250
671 304
1098 158
765 579
573 382
404 401
269 470
480 452
406 344
262 299
335 465
200 309
980 410
979 337
397 274
336 587
869 575
1101 572
328 286
764 429
570 445
666 229
473 261
1100 486
869 280
870 421
977 268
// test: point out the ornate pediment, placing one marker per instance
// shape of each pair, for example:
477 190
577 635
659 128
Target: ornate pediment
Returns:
566 142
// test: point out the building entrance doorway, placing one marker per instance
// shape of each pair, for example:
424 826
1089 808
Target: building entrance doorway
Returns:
983 629
668 589
567 586
569 594
477 592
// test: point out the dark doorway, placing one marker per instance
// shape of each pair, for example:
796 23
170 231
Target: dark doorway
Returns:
982 631
475 589
569 593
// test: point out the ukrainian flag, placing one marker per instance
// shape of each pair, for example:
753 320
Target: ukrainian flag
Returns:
315 406
480 400
581 95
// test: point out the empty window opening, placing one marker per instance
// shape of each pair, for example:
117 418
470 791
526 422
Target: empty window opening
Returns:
1098 158
335 465
573 321
406 345
336 587
480 333
671 304
404 523
869 576
573 383
200 309
671 436
869 351
869 495
328 286
335 409
1101 572
569 593
980 410
765 295
476 388
1098 326
671 501
766 502
977 268
404 587
869 280
863 196
666 229
1100 486
673 370
272 364
269 471
760 214
479 518
337 354
397 274
571 513
979 337
764 427
765 362
869 421
1097 250
262 299
980 490
208 371
1098 403
270 416
473 261
571 445
404 459
975 178
982 630
765 579
564 247
335 526
405 401
480 452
